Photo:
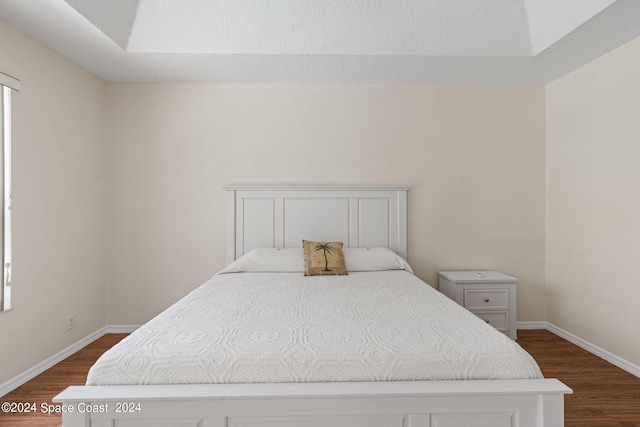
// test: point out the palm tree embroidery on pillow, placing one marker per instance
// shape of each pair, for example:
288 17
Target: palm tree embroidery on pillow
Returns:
325 248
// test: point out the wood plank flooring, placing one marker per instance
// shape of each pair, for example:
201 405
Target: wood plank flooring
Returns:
604 395
71 371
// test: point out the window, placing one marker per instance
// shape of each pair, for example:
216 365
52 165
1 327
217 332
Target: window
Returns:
7 85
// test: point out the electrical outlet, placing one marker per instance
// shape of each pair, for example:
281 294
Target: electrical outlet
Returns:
71 321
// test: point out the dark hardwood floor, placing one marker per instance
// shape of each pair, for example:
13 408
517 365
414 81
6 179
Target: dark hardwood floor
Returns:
604 395
40 390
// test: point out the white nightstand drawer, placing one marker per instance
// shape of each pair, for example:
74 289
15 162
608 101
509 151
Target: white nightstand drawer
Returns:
498 320
481 299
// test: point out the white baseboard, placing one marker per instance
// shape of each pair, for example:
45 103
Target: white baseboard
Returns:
36 370
532 325
618 361
121 329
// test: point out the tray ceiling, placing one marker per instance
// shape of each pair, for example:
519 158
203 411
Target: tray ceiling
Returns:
357 41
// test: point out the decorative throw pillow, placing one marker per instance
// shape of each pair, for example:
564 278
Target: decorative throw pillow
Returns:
323 258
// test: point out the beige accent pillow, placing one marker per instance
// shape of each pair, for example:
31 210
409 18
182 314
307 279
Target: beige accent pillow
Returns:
323 258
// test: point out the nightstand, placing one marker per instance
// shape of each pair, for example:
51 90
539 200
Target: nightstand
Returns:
490 295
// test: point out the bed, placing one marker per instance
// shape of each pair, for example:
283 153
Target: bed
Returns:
261 344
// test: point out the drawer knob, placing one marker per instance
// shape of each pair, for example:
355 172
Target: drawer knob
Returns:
486 300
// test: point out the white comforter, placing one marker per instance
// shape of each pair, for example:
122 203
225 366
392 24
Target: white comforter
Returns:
284 327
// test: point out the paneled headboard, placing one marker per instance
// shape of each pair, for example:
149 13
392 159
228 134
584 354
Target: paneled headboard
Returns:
281 216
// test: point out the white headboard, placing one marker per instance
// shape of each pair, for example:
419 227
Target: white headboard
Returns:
281 216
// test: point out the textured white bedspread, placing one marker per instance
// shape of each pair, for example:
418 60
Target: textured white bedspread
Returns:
284 327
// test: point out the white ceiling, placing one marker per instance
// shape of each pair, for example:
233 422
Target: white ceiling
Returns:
342 41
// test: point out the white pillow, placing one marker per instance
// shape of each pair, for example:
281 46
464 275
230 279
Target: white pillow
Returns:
373 259
275 260
291 260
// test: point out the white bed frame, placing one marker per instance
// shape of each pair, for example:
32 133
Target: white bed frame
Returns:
281 217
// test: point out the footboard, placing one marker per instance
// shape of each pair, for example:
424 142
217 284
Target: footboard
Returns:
495 403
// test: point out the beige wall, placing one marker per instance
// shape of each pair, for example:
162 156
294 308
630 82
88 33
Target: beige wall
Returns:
593 202
58 202
474 156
